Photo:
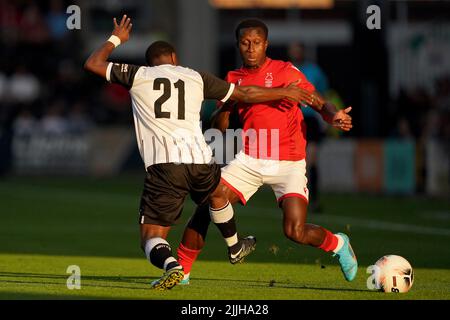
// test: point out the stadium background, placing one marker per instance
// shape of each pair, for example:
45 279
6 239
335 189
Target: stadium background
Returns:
68 150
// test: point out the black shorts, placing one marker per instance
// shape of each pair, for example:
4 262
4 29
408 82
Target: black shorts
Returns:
167 185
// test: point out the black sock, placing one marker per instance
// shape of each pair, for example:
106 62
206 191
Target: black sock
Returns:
159 253
236 248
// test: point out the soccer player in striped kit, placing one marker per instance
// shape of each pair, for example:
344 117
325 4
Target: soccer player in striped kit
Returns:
166 101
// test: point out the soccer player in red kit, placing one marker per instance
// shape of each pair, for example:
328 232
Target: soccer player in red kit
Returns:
273 153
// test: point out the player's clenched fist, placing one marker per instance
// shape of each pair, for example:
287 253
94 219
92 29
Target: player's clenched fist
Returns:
123 29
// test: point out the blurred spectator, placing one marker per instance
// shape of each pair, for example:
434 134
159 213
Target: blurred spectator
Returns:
9 21
33 28
79 121
424 117
443 93
53 122
3 86
402 130
56 20
443 107
25 123
66 83
23 86
116 100
414 105
40 60
311 70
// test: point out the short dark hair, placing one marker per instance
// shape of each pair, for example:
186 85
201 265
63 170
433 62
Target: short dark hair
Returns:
157 49
251 23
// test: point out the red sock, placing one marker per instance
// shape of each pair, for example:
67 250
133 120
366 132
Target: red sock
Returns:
186 257
330 242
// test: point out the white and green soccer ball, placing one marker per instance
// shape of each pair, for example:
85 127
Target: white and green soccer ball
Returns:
394 274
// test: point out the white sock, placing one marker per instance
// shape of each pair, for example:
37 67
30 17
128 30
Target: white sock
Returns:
223 219
169 260
339 244
221 215
162 256
151 243
231 241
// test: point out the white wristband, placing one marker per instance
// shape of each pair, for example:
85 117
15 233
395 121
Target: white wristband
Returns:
115 40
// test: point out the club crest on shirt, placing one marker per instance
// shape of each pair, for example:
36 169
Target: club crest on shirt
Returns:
268 80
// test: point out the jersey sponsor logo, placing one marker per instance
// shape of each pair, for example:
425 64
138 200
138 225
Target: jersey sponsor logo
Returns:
268 80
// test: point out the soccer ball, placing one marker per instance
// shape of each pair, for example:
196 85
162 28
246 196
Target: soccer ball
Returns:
393 274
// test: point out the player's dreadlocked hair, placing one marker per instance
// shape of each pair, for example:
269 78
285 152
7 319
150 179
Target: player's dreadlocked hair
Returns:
251 23
157 49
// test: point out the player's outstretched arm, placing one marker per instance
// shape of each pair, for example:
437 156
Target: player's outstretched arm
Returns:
254 94
97 62
339 119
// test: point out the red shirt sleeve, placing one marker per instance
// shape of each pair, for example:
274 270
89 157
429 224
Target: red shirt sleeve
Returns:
293 74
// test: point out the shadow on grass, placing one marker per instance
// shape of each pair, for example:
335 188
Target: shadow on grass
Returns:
281 284
43 296
142 283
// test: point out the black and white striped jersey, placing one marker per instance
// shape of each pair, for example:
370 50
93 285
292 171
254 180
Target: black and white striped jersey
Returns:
166 103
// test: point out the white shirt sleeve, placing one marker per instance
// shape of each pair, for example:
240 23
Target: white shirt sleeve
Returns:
108 72
229 93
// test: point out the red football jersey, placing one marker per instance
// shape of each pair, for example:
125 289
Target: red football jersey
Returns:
263 142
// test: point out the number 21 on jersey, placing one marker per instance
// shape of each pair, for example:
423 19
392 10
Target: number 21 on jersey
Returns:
167 93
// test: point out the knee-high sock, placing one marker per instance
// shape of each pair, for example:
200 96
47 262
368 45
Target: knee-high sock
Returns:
159 253
332 242
193 238
186 257
223 218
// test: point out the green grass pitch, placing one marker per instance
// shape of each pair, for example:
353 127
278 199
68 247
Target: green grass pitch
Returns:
48 224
